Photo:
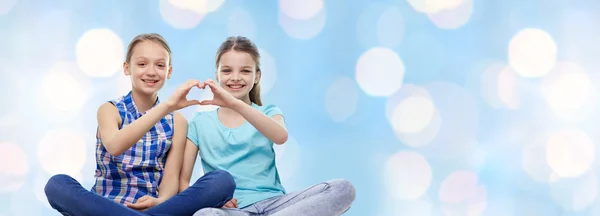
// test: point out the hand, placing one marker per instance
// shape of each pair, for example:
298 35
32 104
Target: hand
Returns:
178 99
231 204
144 203
221 97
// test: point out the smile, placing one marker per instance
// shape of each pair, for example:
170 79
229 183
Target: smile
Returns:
236 86
149 81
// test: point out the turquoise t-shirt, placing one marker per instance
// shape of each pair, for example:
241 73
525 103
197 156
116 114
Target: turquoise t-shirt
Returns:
243 151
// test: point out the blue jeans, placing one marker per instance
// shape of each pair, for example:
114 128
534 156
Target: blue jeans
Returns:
328 198
68 197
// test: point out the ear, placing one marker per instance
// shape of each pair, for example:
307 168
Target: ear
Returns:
126 69
257 77
169 72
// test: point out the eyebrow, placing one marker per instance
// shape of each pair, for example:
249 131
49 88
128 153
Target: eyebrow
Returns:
145 58
227 66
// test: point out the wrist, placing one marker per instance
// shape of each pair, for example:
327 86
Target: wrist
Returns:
160 200
237 105
164 108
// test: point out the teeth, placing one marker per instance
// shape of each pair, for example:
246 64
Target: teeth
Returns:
150 81
236 86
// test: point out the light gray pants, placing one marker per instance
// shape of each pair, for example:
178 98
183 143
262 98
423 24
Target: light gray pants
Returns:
328 198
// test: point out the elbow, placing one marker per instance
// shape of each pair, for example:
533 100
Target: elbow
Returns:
111 148
281 139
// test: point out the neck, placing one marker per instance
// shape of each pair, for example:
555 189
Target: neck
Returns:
143 102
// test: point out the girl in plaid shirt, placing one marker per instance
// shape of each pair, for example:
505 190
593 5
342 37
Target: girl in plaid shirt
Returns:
140 146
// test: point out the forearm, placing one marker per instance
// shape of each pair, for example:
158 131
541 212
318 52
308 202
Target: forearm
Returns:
168 188
183 184
270 128
123 139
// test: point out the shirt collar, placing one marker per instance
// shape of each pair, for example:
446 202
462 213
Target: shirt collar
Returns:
132 108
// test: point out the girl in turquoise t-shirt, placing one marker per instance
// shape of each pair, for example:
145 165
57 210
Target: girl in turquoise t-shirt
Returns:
239 137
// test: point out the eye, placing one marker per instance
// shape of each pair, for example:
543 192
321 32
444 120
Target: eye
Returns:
141 64
161 65
226 70
246 71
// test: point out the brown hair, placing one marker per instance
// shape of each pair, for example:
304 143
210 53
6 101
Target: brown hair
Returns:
243 44
154 37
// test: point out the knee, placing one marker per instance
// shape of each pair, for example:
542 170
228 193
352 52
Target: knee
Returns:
224 180
55 184
344 189
207 211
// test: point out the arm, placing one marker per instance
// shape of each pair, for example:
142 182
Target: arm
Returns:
118 141
170 182
272 128
189 159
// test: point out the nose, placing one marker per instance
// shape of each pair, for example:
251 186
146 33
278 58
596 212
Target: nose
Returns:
151 72
235 76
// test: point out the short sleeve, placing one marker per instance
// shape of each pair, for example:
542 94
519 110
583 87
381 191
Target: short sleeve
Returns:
192 132
271 110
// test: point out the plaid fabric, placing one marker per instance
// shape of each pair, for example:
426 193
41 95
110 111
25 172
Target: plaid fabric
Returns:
139 170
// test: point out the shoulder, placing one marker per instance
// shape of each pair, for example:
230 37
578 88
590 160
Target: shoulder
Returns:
179 118
200 115
269 109
108 109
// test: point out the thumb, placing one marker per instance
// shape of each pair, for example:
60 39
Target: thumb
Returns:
206 102
192 102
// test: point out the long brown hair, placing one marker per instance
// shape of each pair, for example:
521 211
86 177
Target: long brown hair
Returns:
243 44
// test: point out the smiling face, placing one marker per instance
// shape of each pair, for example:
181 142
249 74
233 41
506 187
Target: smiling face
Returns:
148 66
236 73
238 69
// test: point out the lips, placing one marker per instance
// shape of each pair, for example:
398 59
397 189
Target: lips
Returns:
236 86
149 81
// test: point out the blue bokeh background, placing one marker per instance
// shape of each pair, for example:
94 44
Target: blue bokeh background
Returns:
458 107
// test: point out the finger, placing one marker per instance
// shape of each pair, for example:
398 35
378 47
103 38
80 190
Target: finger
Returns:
140 205
206 102
228 205
192 102
193 82
234 201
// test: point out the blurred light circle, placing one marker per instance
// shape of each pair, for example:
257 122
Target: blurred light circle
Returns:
407 175
532 52
301 10
402 111
533 161
14 167
461 194
62 90
453 18
183 14
499 86
302 29
268 70
341 99
413 114
390 27
570 153
62 151
379 72
575 194
7 5
567 88
287 158
434 6
241 23
100 53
